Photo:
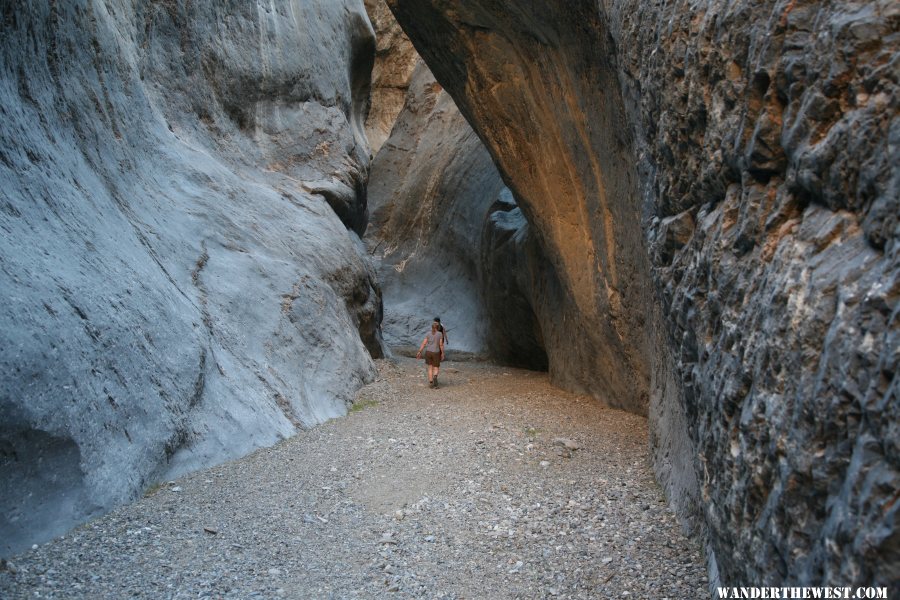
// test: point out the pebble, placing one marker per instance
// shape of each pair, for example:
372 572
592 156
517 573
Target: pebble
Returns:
566 443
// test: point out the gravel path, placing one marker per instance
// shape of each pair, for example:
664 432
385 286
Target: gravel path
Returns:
496 485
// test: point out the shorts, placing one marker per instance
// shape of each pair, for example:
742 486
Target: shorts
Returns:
433 359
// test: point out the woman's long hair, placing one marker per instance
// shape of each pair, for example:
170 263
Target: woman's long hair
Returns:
441 329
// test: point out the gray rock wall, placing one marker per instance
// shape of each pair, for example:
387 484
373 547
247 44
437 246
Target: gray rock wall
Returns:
514 278
768 131
180 276
716 187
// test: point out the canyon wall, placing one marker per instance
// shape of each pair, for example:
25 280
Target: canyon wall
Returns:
444 231
395 61
183 281
715 186
430 187
583 233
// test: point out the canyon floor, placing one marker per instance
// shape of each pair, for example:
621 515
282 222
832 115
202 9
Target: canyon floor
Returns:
495 485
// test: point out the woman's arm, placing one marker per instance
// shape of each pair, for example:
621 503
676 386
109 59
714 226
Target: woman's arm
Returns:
442 347
422 347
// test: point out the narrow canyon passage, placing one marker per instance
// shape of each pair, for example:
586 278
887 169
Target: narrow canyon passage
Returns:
496 485
219 217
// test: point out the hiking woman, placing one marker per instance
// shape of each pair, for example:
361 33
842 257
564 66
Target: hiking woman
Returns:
433 345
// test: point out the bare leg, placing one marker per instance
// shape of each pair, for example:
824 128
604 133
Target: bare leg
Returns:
430 372
436 371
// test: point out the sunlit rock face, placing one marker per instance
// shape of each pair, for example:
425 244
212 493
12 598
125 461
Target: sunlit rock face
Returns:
395 61
565 151
716 186
183 184
446 237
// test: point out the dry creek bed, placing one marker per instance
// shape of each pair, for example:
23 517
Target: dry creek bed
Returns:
495 485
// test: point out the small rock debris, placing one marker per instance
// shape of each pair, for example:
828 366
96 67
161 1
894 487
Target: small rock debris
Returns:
455 494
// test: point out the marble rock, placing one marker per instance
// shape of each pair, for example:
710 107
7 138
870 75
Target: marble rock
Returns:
181 270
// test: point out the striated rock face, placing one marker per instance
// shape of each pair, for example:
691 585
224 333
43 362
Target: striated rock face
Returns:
448 236
395 61
716 186
181 278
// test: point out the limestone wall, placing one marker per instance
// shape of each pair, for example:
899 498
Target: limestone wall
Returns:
716 186
181 275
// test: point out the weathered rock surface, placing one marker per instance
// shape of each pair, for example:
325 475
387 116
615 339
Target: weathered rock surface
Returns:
716 186
395 61
181 281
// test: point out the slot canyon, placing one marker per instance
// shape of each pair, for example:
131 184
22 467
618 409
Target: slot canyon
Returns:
227 224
